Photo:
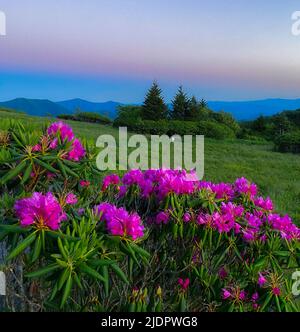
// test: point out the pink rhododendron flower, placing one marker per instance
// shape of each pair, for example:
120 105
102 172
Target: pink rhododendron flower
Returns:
54 143
223 273
223 223
261 280
36 148
184 283
110 180
226 294
77 152
162 218
242 295
255 297
119 222
187 217
84 183
40 210
223 190
65 131
265 204
243 186
232 209
71 199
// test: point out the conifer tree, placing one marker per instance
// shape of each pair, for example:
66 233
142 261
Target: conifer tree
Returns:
193 113
180 106
203 103
154 107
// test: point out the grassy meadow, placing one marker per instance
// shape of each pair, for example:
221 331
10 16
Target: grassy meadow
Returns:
276 174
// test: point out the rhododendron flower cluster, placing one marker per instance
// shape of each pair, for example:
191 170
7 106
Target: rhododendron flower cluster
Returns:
42 211
65 133
230 213
119 222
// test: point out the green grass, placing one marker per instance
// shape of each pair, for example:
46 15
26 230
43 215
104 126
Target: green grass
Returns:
276 174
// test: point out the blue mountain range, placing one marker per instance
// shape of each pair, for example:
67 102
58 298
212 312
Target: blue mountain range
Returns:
241 110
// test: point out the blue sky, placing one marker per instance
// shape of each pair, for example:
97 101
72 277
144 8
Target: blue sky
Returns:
112 49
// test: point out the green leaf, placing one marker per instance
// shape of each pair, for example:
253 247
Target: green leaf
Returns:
67 291
27 173
119 273
45 165
13 173
22 246
140 251
42 271
62 168
268 299
14 229
37 249
91 272
104 270
101 262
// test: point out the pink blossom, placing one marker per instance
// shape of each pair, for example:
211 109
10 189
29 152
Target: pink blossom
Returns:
84 183
261 280
112 179
40 210
276 291
223 223
54 143
77 151
242 295
65 131
265 204
184 283
37 148
119 222
226 294
255 297
243 186
187 217
71 199
223 273
162 218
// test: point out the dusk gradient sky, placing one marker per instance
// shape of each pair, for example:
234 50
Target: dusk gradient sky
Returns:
113 49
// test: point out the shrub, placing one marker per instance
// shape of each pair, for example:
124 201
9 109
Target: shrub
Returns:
289 142
86 117
215 130
159 240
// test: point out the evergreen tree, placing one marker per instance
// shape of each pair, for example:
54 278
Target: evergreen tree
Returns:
193 113
203 103
154 107
180 106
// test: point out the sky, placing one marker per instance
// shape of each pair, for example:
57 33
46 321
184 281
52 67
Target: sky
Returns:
104 50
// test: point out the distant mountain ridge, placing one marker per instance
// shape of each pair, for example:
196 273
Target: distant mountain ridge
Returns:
241 110
250 110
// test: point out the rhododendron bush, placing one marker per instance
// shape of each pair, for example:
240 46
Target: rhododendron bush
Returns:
158 240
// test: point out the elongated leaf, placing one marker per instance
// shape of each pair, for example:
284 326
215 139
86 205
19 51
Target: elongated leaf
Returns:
14 229
140 251
37 249
45 165
91 272
62 168
22 246
13 173
67 291
119 273
42 271
27 173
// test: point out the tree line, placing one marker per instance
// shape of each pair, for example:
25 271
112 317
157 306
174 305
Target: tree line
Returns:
183 108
